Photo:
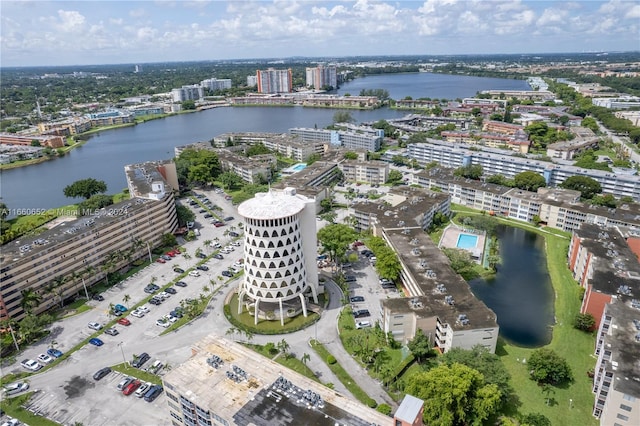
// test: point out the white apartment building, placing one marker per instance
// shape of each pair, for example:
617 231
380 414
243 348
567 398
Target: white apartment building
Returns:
274 81
347 139
214 84
187 93
369 172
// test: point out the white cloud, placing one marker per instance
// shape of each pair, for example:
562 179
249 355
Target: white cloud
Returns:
71 21
137 13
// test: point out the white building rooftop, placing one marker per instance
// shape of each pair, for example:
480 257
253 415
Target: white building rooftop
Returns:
272 205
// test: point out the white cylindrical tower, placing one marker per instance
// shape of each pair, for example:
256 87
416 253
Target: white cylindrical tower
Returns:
274 258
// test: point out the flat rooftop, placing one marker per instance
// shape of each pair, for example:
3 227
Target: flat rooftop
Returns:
267 394
625 347
271 205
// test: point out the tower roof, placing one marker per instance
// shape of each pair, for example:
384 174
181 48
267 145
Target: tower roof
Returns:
271 205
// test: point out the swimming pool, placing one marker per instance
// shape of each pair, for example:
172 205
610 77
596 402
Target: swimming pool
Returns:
298 167
467 241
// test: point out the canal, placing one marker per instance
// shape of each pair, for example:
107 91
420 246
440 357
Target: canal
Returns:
521 293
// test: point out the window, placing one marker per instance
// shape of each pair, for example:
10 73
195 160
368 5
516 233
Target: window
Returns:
625 407
621 417
629 398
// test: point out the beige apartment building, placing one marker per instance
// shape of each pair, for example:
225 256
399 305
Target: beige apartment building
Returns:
369 172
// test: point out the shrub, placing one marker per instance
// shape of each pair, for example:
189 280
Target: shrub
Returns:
546 366
584 322
330 385
372 403
331 359
384 409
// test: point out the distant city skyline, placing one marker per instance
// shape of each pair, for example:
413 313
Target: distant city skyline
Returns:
53 33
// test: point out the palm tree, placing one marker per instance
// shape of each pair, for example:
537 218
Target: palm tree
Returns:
125 299
30 299
232 330
283 347
249 335
111 310
305 357
10 324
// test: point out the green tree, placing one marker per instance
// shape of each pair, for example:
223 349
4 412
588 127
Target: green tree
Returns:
529 181
335 239
30 299
343 117
398 160
93 204
473 171
535 419
125 299
387 263
587 186
546 366
461 262
230 180
188 105
184 214
421 346
199 173
584 322
454 395
169 240
590 123
257 149
85 188
395 177
350 155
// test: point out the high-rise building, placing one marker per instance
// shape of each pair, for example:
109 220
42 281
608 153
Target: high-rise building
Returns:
279 254
214 84
187 93
322 76
274 81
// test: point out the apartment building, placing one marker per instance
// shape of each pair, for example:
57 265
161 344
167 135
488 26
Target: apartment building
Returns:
622 102
77 253
66 127
415 104
313 181
214 84
192 92
518 142
414 123
335 101
274 81
348 139
439 302
321 76
110 117
11 153
262 100
533 95
14 139
501 127
616 384
495 162
256 169
369 172
226 384
567 150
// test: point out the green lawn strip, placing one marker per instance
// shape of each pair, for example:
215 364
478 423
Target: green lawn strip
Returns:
342 374
290 361
141 375
13 408
202 206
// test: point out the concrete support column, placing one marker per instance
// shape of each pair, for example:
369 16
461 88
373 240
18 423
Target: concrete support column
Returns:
304 304
255 315
281 313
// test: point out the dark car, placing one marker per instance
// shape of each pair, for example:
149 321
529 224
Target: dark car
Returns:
228 218
227 274
170 290
178 270
202 211
202 267
181 284
234 234
355 299
201 255
98 297
151 288
361 313
350 279
140 360
96 342
218 256
153 393
176 313
54 353
101 373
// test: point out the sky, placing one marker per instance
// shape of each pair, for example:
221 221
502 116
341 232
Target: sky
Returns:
51 33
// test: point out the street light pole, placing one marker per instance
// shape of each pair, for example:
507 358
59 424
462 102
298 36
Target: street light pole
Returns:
149 251
124 360
86 293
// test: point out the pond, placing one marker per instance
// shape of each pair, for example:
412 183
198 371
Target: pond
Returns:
521 293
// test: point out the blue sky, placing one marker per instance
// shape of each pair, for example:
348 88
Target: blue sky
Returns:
101 32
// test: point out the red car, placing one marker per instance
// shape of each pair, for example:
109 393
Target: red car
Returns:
131 387
171 253
124 321
161 260
218 225
358 244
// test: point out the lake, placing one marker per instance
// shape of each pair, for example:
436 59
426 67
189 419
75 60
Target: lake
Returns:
521 293
104 156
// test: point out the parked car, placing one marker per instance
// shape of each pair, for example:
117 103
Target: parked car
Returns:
233 234
163 322
96 342
111 331
181 284
218 256
138 314
356 299
350 279
208 215
131 387
144 387
361 313
54 353
140 360
150 290
98 297
236 243
153 393
170 290
202 267
124 383
124 321
44 359
30 364
194 273
218 224
15 388
154 301
95 326
11 422
178 270
101 373
161 260
227 274
165 257
228 218
363 324
202 211
143 309
215 245
155 367
201 255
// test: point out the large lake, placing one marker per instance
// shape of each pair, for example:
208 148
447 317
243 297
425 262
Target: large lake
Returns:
521 293
104 156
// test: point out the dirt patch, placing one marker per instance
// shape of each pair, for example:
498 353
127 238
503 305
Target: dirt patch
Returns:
77 386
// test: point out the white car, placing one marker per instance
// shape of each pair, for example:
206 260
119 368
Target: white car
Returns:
143 389
215 245
193 274
138 314
143 309
15 388
94 326
11 422
172 319
230 248
30 364
163 323
44 358
363 324
164 295
236 243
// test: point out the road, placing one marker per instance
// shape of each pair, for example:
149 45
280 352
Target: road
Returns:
68 394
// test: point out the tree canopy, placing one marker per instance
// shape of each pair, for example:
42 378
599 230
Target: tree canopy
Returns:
85 188
529 181
335 239
587 186
197 166
473 171
454 395
350 155
546 366
394 177
257 149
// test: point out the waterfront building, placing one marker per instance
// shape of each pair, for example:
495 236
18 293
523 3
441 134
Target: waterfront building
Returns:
225 383
439 302
348 139
255 169
280 272
215 84
322 76
616 383
66 127
283 100
414 123
252 81
314 181
110 117
274 81
11 153
76 253
192 92
146 109
532 95
27 140
336 101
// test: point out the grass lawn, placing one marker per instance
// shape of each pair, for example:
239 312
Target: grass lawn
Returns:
142 375
291 362
13 408
342 375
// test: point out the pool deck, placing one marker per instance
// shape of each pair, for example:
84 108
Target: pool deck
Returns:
450 237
